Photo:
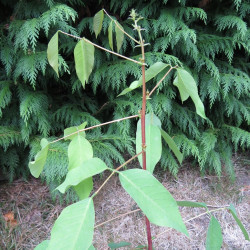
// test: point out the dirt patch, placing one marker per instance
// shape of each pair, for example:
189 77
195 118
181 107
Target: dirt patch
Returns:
36 212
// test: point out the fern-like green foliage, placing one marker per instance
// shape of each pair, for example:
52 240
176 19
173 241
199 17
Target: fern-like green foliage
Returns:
211 41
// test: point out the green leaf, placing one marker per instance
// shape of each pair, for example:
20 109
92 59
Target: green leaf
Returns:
119 35
153 198
172 145
74 129
110 35
234 214
87 169
113 245
214 235
74 227
153 146
52 52
153 70
36 167
79 150
191 204
43 245
84 188
98 20
187 87
91 248
84 60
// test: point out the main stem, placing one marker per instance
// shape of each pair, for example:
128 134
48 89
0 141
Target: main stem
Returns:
143 113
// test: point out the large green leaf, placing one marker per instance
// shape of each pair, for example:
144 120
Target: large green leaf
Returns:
87 169
110 35
84 60
119 36
234 214
74 227
187 87
153 198
52 52
43 245
191 204
36 167
97 22
79 150
153 70
214 235
172 145
74 129
153 142
84 188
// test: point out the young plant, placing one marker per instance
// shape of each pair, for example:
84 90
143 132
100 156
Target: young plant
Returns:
74 227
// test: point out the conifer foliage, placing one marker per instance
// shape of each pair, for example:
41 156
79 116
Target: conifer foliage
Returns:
208 38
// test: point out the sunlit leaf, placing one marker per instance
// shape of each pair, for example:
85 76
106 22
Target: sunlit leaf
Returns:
113 245
172 145
36 167
79 150
234 214
119 36
97 22
87 169
187 87
84 60
153 198
43 245
191 204
153 70
214 235
52 52
74 227
74 129
84 188
153 141
110 35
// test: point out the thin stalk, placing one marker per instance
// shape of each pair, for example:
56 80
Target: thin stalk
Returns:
102 48
114 171
193 218
115 218
132 38
143 130
95 126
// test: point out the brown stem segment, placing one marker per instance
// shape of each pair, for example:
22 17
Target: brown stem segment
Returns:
143 131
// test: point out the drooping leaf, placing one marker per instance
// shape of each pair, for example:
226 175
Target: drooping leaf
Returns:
84 188
87 169
110 35
74 129
74 227
214 235
234 214
153 143
52 52
191 204
84 60
43 245
187 87
113 245
36 167
153 70
153 198
172 145
119 35
79 150
97 22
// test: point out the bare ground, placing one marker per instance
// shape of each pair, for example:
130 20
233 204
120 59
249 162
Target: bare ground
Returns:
35 212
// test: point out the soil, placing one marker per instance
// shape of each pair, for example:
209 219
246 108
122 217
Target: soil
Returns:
27 212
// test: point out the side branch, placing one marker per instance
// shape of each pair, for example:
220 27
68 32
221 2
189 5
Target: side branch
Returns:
102 48
96 126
